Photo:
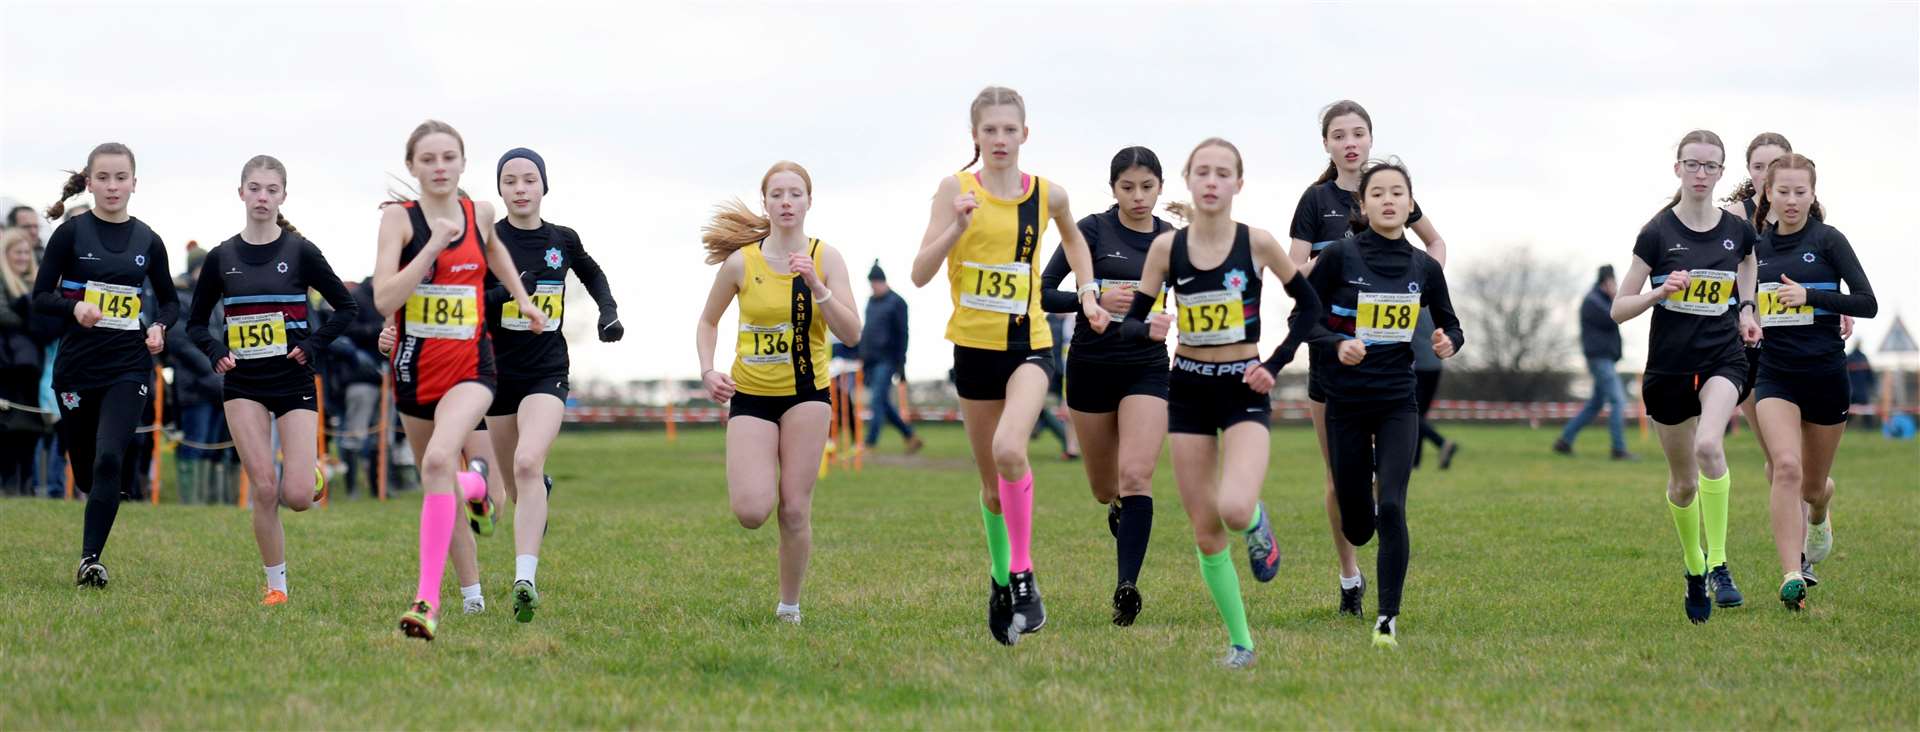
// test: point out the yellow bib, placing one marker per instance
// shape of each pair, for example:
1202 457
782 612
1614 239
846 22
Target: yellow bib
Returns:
991 273
783 337
443 311
257 336
119 305
1774 313
1708 292
1386 317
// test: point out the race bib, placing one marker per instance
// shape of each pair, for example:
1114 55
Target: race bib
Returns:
257 336
1387 317
1107 286
1708 293
1214 318
995 288
762 345
549 297
119 305
1775 313
443 311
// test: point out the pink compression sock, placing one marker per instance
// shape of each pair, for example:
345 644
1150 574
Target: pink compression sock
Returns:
436 532
1016 504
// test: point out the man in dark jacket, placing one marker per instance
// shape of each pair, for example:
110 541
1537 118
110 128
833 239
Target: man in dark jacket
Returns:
1600 342
883 356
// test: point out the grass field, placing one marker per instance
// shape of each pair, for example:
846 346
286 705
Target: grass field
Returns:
1544 593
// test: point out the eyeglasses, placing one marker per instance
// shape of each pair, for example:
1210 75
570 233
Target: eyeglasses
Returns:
1695 166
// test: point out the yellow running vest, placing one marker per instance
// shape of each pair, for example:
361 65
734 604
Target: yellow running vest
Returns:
782 342
993 273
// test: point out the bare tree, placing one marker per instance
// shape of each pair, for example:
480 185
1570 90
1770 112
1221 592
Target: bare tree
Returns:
1517 309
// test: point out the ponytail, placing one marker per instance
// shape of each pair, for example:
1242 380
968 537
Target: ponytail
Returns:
733 226
76 182
1329 174
285 225
976 158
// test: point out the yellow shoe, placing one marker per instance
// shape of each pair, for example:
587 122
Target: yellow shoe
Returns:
418 621
319 484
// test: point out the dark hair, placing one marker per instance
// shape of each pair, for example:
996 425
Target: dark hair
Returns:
1746 189
1339 109
1605 274
270 163
1701 136
1130 158
1789 161
1357 222
12 214
77 180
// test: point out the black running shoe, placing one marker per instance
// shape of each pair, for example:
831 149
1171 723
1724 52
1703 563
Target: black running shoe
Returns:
1806 572
1000 614
1126 604
547 479
91 574
1113 518
1447 453
1562 447
1029 615
1699 605
1350 599
1721 582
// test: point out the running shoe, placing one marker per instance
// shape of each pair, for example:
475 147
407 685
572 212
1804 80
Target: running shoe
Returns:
1113 518
1819 541
526 599
273 597
1806 572
319 484
1263 553
480 514
1720 581
1350 599
1000 614
1699 605
1384 636
1793 592
1126 604
790 617
1447 453
473 605
92 573
1238 658
1029 615
418 621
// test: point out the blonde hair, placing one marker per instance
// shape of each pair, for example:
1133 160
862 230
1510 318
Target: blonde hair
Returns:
1239 165
992 96
271 163
735 226
17 285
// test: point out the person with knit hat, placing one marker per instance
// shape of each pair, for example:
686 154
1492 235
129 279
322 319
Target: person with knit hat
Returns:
883 356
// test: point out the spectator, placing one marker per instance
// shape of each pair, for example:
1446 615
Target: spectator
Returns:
22 423
1862 387
1600 342
1049 420
355 365
198 397
26 219
883 353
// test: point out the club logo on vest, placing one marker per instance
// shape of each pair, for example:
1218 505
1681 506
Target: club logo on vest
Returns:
1235 280
70 399
464 267
281 268
1727 244
139 260
1808 257
1413 287
553 258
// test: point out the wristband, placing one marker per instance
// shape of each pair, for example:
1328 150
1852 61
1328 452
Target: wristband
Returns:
823 300
1093 287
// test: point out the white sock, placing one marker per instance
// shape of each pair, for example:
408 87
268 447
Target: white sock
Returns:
1387 621
277 577
524 566
470 592
784 608
1348 583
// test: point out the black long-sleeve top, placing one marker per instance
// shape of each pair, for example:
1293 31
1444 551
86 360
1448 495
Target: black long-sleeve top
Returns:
121 255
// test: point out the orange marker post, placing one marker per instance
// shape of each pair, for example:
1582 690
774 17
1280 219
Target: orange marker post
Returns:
159 435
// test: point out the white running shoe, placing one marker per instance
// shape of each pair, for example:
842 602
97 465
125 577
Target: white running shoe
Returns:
473 605
1819 541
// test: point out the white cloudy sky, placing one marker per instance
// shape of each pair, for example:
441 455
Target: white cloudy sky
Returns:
1550 124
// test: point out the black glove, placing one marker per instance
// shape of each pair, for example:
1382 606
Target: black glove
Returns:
610 328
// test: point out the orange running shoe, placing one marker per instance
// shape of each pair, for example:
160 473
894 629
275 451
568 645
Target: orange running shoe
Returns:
273 597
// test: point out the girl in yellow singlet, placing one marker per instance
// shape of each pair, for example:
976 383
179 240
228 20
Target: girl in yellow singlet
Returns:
776 395
986 228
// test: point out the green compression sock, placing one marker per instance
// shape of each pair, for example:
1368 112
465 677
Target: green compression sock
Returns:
997 545
1223 582
1258 510
1687 522
1713 508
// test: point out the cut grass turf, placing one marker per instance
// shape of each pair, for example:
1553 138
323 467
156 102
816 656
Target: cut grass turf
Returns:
1545 592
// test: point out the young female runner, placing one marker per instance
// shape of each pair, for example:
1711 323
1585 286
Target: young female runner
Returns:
1320 219
1802 387
429 275
1375 286
260 279
985 228
1118 402
1217 406
1695 372
532 396
776 395
96 268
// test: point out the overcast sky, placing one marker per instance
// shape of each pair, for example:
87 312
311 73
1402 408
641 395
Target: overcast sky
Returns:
1542 124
